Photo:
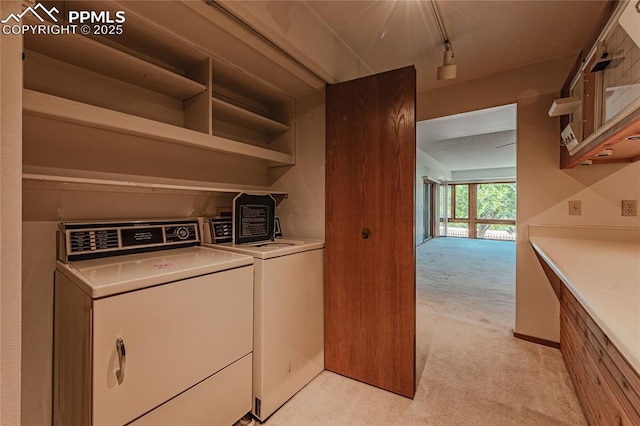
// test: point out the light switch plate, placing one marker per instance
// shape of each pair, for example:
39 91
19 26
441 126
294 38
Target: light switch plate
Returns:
575 207
629 207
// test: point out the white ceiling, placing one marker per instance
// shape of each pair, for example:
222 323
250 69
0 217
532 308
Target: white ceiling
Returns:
488 120
484 139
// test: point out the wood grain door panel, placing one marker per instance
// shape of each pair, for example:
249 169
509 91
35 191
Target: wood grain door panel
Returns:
370 187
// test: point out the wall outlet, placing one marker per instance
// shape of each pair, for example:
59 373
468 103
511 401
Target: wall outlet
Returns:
575 207
629 207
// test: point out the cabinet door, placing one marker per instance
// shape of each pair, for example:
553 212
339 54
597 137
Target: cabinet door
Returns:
175 335
370 239
589 101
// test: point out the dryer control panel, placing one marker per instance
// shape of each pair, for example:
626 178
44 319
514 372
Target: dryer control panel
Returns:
78 241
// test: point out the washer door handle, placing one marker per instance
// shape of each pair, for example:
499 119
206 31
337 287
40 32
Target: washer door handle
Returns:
365 234
122 359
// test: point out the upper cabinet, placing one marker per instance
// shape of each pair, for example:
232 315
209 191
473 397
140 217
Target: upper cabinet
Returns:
600 107
181 75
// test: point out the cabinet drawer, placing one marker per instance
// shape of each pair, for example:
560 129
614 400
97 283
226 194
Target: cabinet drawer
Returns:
220 400
605 384
175 335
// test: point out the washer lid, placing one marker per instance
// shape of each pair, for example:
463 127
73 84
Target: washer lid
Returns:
270 249
112 275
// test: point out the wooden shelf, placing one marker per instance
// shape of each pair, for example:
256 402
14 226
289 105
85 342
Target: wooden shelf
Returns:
48 106
230 113
92 55
78 180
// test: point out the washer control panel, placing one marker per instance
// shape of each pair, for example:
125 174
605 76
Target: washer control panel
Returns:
180 233
78 241
221 230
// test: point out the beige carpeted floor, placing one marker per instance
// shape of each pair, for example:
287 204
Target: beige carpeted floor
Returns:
471 370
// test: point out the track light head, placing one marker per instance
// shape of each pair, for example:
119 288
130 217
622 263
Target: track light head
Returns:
448 69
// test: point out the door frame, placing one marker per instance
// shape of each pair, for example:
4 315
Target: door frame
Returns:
430 221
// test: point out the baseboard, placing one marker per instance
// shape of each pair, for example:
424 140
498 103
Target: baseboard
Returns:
537 340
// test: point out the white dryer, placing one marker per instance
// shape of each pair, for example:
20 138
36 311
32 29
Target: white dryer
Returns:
288 339
150 327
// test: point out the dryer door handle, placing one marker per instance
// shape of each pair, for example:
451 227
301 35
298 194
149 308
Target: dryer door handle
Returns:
122 360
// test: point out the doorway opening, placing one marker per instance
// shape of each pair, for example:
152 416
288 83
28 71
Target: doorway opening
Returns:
466 224
466 168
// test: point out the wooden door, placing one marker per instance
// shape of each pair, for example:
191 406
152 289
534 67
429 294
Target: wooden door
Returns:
370 234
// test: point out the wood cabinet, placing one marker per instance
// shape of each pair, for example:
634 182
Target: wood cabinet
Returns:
607 386
191 338
606 81
598 320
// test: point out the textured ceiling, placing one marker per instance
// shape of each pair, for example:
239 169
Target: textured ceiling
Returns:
487 151
482 139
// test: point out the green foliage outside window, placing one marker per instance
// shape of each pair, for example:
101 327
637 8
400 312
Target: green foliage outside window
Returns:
494 201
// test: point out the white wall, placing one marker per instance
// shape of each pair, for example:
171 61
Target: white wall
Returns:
543 189
302 213
10 220
426 167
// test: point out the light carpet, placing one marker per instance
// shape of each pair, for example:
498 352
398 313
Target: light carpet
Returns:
471 370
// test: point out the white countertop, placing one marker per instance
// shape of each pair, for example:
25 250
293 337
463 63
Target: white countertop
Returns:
108 276
604 276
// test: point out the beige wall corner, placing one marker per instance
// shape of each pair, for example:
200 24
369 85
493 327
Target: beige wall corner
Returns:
537 308
302 213
10 219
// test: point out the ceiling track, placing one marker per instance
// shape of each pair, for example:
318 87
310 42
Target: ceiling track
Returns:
216 5
439 21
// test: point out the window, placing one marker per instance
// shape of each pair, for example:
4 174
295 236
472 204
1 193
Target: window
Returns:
482 210
461 195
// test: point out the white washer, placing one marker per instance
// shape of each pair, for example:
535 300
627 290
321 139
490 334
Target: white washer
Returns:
160 336
288 339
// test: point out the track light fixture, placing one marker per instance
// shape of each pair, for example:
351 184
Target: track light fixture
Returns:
448 69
